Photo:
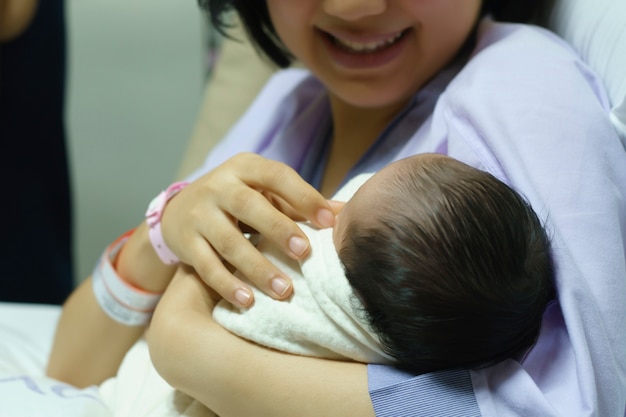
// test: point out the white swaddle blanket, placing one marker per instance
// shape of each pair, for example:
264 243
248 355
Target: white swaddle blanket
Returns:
321 319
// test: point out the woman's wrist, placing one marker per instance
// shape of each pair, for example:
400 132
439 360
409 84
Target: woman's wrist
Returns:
120 300
153 218
139 264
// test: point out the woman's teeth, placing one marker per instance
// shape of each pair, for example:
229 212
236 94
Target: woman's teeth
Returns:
367 47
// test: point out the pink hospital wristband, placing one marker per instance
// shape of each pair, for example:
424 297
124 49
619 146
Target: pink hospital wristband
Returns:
153 218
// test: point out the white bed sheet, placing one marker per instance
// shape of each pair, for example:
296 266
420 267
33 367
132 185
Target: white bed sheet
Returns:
26 333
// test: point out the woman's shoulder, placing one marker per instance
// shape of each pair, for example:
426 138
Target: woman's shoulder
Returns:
523 91
510 57
524 71
492 35
284 95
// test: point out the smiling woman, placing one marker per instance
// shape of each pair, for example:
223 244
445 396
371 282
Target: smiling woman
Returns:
15 16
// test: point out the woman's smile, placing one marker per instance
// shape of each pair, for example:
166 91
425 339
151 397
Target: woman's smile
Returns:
363 51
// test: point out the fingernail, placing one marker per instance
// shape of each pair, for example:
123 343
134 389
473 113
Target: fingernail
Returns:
336 206
297 245
242 296
280 286
325 218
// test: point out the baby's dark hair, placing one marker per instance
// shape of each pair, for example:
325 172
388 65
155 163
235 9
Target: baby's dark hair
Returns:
455 271
256 20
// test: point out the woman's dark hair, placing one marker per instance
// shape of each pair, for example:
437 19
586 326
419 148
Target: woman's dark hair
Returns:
256 20
455 270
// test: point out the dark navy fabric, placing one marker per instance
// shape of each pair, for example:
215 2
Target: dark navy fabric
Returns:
35 207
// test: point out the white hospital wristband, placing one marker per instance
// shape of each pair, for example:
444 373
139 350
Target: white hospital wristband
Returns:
120 300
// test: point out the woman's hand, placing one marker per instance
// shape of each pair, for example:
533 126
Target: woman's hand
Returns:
203 224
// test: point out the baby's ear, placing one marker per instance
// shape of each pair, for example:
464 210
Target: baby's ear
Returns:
336 206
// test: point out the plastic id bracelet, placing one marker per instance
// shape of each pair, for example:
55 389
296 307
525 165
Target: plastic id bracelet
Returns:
120 300
153 218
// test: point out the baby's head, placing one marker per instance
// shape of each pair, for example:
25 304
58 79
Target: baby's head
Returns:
452 266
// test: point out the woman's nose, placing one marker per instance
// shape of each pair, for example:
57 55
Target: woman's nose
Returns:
354 9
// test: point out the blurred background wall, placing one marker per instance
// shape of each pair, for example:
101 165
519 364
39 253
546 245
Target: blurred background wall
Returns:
135 82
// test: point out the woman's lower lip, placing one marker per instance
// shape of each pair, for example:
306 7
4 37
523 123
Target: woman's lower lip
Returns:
359 60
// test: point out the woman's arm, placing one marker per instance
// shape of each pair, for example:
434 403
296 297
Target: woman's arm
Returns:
202 225
234 377
89 346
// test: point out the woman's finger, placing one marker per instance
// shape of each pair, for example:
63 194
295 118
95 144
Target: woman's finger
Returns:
253 209
233 247
284 182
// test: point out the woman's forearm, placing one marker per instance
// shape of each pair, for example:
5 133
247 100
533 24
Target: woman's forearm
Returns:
234 377
89 346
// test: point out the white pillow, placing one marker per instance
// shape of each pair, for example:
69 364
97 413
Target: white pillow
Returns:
597 29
